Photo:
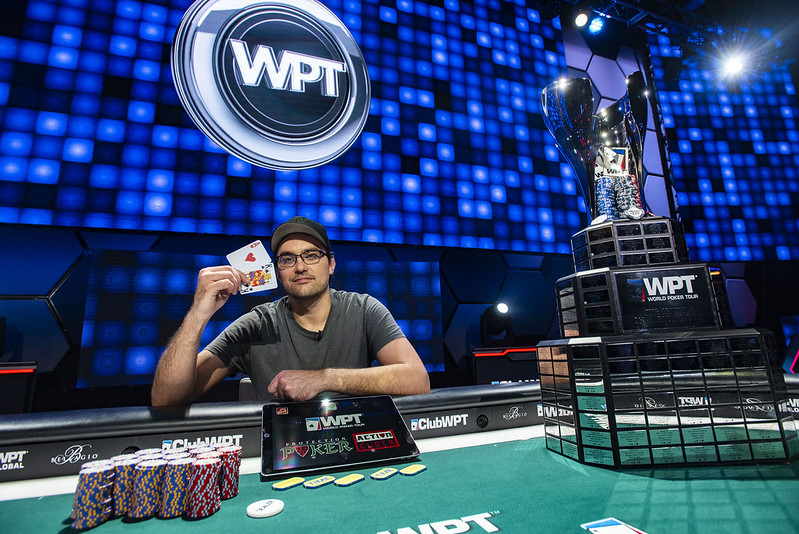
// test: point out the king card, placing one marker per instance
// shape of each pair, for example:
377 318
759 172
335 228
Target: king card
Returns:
254 261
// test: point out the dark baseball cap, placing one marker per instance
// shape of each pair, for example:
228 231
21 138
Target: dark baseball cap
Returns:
299 225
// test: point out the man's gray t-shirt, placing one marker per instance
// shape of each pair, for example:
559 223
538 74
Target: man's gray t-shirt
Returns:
268 339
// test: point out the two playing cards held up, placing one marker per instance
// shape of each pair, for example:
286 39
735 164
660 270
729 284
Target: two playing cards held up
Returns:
254 261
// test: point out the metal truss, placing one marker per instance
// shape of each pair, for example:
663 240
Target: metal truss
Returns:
671 19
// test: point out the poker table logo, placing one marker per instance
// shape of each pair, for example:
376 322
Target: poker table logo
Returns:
282 85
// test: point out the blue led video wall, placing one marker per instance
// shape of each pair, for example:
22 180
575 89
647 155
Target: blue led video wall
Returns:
454 152
137 300
734 148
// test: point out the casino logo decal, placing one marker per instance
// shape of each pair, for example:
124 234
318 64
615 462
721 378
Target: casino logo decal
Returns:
515 412
74 454
11 460
279 84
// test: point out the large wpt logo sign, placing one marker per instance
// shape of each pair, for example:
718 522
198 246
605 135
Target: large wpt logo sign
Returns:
279 84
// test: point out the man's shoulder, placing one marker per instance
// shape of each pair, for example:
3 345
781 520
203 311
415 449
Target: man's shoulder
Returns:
350 302
272 308
350 297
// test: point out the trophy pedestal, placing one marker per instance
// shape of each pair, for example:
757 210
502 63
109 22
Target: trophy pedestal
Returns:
618 300
685 398
649 371
625 242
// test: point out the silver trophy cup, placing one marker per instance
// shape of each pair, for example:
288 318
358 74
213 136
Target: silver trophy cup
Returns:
568 109
605 149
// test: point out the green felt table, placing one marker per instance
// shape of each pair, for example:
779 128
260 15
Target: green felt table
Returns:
515 486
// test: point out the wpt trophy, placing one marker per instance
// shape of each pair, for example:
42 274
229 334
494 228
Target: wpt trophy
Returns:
650 370
605 149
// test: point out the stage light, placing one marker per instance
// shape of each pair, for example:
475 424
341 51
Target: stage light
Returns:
733 65
581 19
596 25
496 326
736 62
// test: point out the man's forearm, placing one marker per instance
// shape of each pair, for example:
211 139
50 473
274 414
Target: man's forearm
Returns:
391 379
176 374
394 379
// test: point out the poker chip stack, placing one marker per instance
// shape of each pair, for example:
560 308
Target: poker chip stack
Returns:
148 452
231 464
174 498
180 482
93 503
174 455
203 498
605 197
218 489
147 488
209 454
196 451
125 467
628 198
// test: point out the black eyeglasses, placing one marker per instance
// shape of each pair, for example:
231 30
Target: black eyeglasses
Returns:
309 257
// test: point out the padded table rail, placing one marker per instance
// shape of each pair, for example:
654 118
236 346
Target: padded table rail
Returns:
56 443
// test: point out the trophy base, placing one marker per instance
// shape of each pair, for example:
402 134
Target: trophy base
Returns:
627 242
679 398
619 300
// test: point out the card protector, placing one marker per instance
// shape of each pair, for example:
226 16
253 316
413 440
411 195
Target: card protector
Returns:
319 482
383 474
288 483
348 480
411 470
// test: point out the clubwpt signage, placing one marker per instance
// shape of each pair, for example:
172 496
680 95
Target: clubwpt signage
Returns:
282 85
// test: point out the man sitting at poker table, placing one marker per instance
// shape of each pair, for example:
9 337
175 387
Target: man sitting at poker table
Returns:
314 340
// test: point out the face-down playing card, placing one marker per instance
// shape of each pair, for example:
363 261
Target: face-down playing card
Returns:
254 261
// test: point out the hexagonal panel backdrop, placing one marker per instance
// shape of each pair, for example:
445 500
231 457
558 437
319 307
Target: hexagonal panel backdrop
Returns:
608 79
476 280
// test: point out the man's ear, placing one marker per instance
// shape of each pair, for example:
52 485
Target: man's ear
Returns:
332 263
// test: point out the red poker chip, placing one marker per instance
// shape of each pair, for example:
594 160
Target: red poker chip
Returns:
199 450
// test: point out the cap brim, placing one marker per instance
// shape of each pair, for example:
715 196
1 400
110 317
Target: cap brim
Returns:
286 229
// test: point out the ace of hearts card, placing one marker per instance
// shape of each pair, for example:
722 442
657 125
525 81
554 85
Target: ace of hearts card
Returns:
254 261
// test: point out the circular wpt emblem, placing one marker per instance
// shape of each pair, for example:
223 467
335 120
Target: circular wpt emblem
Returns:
279 84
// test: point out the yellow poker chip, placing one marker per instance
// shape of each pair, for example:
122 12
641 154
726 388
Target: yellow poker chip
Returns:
348 480
288 483
383 474
319 482
411 470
